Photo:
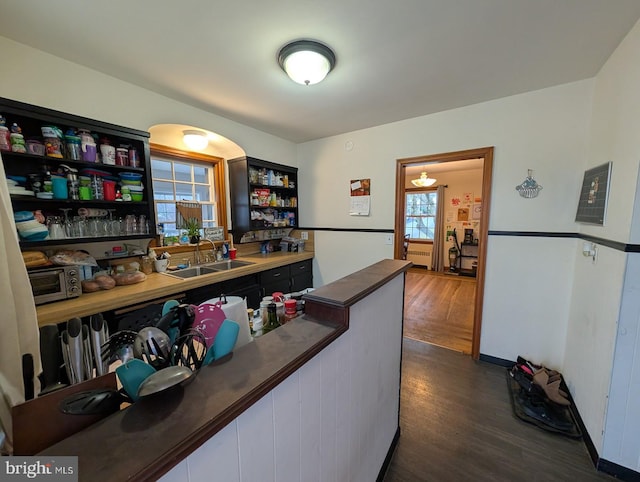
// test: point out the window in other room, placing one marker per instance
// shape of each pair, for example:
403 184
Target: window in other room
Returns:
187 176
420 215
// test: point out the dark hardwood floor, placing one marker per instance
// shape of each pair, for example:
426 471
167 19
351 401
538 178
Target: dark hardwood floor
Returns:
438 309
457 425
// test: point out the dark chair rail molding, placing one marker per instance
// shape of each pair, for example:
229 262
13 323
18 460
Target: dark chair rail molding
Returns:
346 230
627 248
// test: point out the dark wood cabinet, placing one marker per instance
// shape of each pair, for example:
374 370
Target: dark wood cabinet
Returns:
264 199
287 279
244 287
301 275
28 166
274 280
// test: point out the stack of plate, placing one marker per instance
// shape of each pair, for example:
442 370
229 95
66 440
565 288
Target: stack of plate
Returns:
28 228
16 190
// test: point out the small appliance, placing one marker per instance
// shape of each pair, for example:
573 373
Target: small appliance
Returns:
54 283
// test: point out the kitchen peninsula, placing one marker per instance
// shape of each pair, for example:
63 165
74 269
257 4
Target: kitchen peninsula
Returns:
316 399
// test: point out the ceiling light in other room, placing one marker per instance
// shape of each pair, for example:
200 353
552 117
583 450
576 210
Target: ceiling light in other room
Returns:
307 62
195 140
423 180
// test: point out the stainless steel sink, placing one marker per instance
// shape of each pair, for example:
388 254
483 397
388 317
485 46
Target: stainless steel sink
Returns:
209 268
228 264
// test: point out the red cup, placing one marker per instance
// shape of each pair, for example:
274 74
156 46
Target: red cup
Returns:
233 252
109 190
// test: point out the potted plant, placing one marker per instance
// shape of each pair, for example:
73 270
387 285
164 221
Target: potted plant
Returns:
193 230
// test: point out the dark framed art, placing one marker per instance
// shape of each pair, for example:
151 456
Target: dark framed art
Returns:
594 195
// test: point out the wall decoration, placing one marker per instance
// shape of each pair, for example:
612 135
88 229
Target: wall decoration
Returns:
467 197
476 211
529 188
360 200
455 201
463 214
594 195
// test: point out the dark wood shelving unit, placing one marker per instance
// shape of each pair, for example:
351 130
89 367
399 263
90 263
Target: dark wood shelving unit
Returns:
31 119
242 188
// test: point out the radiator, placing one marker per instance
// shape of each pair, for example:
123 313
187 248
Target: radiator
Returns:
419 257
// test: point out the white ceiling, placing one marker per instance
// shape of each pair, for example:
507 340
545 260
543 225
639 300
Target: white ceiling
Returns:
395 60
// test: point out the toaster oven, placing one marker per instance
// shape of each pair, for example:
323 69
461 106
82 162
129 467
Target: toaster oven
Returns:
54 283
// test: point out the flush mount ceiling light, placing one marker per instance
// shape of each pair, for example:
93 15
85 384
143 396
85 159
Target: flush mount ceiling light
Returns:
195 140
307 62
423 180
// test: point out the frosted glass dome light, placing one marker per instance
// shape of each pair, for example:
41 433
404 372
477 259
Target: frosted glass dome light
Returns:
306 62
195 140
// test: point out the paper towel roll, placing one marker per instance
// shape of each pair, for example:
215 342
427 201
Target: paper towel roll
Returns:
235 309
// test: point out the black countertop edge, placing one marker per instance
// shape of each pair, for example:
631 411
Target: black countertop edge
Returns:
617 245
349 290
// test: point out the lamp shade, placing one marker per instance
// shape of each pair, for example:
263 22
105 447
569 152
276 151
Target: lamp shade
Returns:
423 180
195 140
306 62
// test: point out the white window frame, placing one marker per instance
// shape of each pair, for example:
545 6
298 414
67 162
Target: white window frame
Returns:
430 193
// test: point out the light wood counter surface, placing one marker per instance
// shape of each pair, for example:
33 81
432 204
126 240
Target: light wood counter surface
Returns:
157 285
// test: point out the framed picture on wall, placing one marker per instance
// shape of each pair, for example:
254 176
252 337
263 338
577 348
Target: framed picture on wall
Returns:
594 195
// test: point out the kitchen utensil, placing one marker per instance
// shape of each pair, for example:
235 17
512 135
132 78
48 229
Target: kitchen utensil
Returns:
208 318
119 346
168 305
131 375
177 320
51 357
73 344
189 350
224 342
92 402
153 346
87 357
99 335
27 375
164 379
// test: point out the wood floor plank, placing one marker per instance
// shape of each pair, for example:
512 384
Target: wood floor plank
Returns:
457 425
439 309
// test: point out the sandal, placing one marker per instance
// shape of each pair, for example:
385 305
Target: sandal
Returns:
534 368
551 388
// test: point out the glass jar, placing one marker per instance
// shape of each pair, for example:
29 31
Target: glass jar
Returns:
146 265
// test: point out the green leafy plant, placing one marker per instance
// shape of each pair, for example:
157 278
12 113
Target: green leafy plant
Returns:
192 226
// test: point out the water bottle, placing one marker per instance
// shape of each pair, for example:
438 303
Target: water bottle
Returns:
97 188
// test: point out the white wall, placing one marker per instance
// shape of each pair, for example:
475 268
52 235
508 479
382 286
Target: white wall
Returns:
544 130
601 356
48 81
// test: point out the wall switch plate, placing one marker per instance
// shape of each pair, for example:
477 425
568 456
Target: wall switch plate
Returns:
304 235
389 239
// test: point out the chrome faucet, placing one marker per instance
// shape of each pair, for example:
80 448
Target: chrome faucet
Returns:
213 246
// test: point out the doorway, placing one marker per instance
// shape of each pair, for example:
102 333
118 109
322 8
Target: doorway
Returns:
485 154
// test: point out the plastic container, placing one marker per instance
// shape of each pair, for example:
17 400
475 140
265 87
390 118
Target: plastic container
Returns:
74 150
109 188
35 146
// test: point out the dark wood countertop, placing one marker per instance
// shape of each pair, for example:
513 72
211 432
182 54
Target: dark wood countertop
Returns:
156 286
147 439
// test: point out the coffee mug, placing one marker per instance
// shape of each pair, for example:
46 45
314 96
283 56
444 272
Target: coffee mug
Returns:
161 265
